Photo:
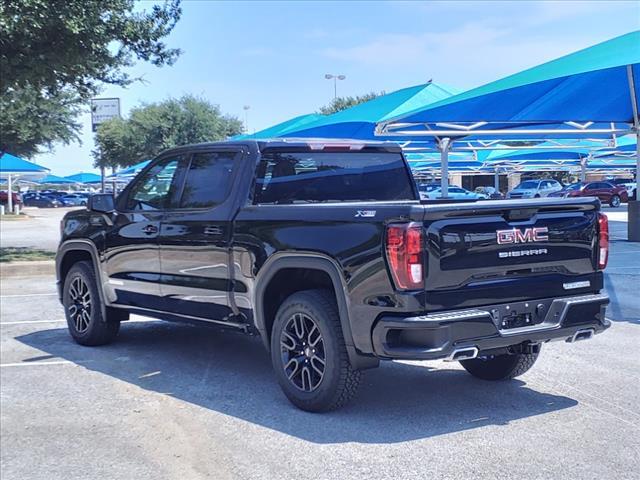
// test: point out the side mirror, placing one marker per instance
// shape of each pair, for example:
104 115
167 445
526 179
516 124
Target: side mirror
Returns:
102 202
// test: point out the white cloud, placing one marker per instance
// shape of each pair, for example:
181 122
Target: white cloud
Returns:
473 50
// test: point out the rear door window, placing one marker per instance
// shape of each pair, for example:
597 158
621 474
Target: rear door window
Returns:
208 180
313 177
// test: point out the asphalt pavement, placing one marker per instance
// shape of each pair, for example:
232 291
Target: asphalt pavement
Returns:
170 401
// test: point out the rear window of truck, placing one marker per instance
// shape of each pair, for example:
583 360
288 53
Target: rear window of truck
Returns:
313 177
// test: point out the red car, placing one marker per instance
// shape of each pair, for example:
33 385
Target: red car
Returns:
15 197
605 191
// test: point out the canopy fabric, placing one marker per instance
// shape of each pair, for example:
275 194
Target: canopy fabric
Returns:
590 85
12 165
129 171
54 179
277 130
83 177
359 121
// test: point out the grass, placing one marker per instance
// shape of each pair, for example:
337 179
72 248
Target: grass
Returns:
10 217
21 254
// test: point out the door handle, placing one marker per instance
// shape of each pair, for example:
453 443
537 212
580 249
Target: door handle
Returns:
149 229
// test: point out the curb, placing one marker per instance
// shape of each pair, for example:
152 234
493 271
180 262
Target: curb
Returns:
27 269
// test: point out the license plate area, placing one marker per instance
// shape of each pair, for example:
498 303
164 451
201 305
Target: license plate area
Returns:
521 314
517 320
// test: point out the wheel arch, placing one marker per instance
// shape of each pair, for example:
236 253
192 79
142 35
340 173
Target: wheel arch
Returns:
279 263
71 252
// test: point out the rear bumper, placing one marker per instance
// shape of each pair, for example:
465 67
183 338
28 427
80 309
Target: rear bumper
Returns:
440 335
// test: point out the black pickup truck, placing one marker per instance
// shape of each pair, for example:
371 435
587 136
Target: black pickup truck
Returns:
325 251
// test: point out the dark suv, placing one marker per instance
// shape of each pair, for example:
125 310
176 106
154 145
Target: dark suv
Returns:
325 251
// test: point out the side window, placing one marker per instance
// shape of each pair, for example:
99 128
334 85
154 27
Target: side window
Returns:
208 180
153 190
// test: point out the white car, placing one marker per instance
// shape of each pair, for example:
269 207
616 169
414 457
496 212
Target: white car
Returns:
535 189
452 192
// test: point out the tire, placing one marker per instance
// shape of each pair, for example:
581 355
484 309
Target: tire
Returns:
82 308
537 195
307 331
500 367
615 201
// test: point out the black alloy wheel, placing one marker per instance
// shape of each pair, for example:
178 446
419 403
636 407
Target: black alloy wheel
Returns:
302 350
80 306
84 311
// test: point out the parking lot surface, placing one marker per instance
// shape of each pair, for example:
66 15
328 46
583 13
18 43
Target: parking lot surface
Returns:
181 401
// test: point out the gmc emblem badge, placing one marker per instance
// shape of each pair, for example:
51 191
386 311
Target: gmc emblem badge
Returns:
528 235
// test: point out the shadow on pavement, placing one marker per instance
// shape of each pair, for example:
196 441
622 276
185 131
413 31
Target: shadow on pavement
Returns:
231 374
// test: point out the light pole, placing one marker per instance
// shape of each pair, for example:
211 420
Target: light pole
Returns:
335 79
246 117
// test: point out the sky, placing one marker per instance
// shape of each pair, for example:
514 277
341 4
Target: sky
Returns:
273 56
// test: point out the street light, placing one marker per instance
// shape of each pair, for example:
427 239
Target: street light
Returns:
246 118
335 79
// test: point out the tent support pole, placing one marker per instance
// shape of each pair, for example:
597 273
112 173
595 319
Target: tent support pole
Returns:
9 194
444 145
583 168
496 180
633 219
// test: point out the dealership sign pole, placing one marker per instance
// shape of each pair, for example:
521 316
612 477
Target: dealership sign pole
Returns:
103 109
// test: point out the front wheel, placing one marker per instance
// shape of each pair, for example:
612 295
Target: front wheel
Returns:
615 201
500 367
308 353
83 308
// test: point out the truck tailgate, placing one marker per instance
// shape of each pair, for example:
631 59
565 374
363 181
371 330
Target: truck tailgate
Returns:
502 251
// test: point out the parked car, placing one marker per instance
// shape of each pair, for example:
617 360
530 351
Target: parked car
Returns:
74 199
628 183
311 247
535 189
43 201
15 198
605 191
453 192
488 193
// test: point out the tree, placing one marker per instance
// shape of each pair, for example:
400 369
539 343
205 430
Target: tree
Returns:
29 120
152 128
342 103
54 51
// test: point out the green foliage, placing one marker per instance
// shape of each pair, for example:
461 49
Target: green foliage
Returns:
342 103
30 119
55 55
152 128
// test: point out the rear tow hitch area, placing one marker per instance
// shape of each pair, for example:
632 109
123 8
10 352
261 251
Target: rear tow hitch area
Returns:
584 334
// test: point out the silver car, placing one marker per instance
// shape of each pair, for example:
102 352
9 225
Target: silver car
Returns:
535 189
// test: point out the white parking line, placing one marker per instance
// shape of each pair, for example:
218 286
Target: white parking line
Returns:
17 295
31 321
38 364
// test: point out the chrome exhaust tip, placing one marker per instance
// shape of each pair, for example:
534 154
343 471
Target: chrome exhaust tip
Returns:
464 353
584 334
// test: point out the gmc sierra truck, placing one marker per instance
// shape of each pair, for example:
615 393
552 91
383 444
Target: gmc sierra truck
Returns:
325 250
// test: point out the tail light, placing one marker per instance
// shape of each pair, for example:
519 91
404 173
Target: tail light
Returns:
603 241
405 253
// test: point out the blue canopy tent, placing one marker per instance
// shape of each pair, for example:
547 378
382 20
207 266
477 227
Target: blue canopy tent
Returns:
277 130
592 93
13 168
129 172
84 177
55 180
359 121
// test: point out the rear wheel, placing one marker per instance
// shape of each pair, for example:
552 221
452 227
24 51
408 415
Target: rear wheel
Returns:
83 308
309 354
615 201
500 367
